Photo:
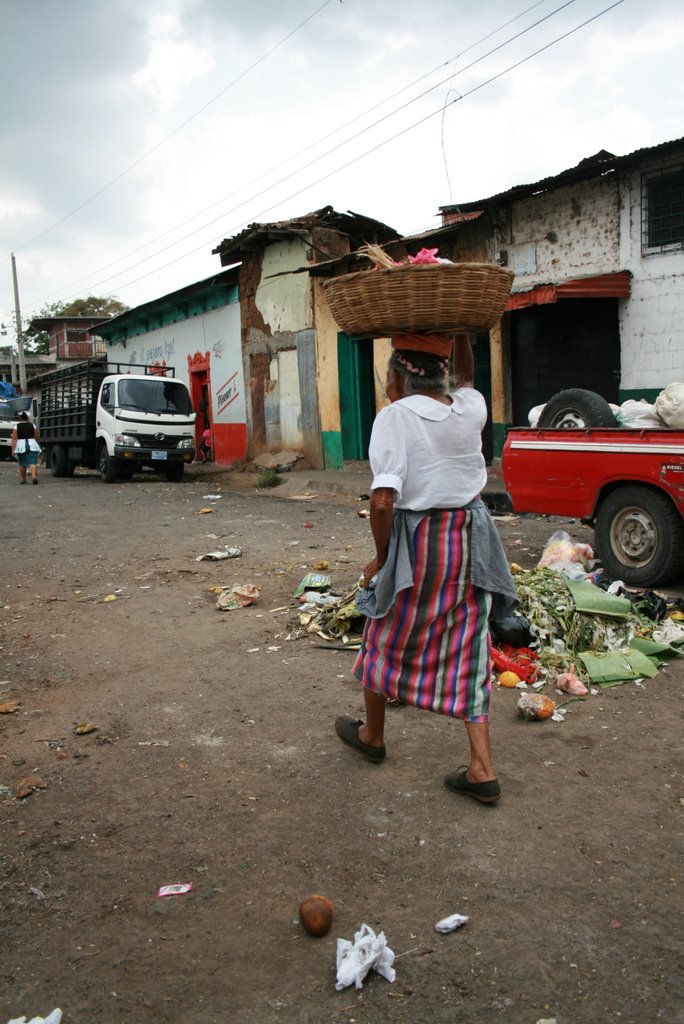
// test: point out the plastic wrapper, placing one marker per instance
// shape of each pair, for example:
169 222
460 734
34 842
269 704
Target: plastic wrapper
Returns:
367 952
451 923
561 553
238 596
53 1018
535 706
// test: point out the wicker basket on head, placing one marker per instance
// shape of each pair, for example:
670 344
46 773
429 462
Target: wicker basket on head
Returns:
443 297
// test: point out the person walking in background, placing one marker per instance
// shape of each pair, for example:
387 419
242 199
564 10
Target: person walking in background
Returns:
439 560
26 448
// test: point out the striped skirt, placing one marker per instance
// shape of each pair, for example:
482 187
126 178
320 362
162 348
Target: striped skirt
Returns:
432 649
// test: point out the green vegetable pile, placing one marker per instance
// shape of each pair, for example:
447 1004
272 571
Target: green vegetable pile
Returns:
561 631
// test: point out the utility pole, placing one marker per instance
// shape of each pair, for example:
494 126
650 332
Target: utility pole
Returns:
20 335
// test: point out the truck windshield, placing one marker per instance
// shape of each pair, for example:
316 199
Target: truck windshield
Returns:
156 395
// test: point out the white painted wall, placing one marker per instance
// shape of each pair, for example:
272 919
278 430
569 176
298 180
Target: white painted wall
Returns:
652 319
216 332
285 301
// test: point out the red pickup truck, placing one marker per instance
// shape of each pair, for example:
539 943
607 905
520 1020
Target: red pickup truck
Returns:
627 484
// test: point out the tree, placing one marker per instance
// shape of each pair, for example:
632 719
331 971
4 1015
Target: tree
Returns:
38 343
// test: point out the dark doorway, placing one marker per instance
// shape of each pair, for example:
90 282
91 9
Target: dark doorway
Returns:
357 395
572 343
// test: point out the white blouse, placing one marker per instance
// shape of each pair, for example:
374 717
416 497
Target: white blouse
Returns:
428 452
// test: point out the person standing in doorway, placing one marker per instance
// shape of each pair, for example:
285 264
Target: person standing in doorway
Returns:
206 444
26 448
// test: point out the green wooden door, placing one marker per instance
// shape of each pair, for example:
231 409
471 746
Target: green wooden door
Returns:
357 395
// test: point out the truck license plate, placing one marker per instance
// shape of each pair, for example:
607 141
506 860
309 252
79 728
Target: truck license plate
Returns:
159 455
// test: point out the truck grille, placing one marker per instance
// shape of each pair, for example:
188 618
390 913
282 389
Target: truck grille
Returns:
152 441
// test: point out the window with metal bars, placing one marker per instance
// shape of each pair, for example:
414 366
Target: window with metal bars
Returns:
662 211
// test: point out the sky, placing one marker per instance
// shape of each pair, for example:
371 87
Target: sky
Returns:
136 135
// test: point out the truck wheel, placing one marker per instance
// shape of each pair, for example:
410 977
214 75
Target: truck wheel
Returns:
58 460
576 408
640 537
174 472
106 466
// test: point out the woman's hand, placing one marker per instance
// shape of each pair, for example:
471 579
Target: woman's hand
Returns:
369 572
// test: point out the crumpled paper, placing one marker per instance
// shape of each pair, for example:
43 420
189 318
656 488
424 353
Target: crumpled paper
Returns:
367 952
239 596
54 1018
451 923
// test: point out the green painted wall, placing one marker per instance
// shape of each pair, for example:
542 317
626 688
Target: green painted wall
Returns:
650 394
499 431
332 449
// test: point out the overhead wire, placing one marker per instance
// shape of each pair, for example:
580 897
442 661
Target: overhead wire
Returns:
404 131
330 151
305 149
176 130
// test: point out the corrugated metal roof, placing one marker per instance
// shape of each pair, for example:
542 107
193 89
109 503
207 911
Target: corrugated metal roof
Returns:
254 236
595 166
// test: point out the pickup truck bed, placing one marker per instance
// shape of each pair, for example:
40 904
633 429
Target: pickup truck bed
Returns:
628 484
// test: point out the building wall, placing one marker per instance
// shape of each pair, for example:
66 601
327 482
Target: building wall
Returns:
651 320
570 232
213 338
279 351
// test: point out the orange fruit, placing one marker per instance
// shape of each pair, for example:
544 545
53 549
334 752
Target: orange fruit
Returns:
316 914
509 679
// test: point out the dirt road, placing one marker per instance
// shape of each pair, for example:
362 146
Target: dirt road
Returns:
215 762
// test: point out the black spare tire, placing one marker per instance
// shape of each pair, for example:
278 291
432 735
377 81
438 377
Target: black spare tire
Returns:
576 409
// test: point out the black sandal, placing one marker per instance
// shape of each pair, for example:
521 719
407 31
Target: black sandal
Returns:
485 792
348 730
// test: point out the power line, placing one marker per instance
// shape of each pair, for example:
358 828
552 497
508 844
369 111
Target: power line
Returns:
304 150
404 131
175 131
330 151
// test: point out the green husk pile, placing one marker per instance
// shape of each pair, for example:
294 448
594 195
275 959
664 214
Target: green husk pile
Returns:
561 631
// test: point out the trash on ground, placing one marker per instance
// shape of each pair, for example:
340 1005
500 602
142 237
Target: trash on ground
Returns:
321 566
367 952
587 597
568 682
313 581
313 598
217 556
339 621
174 890
83 728
109 597
239 596
451 923
53 1018
509 680
363 513
535 706
212 497
8 707
564 555
204 512
316 914
521 661
609 667
29 784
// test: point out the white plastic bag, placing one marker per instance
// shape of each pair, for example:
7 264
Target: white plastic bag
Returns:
564 555
638 415
368 951
670 406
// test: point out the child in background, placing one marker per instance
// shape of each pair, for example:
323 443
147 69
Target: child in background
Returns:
205 445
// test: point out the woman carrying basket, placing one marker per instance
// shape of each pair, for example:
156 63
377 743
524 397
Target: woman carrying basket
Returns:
439 561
